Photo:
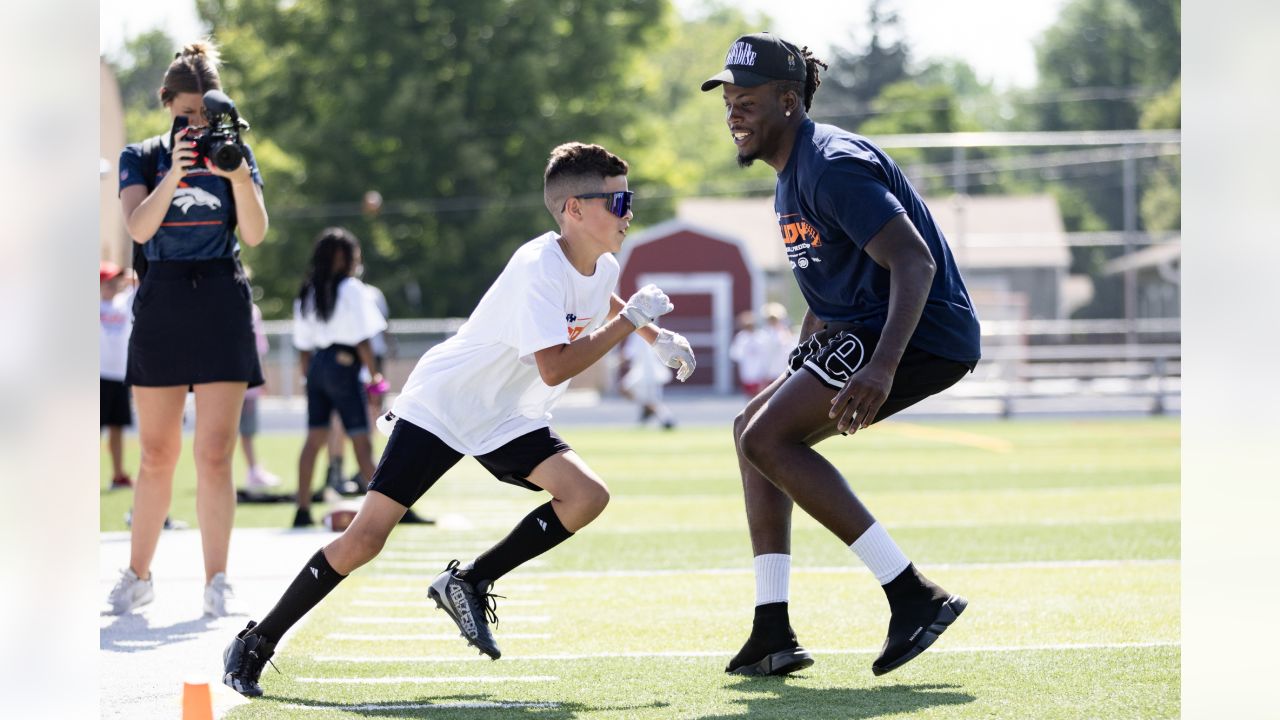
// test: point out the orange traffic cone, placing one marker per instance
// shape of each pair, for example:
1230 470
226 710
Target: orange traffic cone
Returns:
196 701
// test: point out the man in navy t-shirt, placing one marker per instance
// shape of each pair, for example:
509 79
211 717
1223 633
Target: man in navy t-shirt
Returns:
889 323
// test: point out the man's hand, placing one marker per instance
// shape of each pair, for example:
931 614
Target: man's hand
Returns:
675 352
648 304
857 403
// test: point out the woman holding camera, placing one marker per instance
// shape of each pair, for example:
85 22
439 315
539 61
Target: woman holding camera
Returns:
193 327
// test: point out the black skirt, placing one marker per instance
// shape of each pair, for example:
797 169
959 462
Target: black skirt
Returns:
193 324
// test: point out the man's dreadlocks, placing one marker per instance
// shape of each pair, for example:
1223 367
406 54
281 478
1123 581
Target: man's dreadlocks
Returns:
811 79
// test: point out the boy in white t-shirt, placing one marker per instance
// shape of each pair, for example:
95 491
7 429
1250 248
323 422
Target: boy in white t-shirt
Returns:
488 392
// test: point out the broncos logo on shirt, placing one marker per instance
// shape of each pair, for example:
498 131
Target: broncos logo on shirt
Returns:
188 197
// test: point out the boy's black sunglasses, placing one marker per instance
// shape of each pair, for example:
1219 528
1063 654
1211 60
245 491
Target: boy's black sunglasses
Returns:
618 203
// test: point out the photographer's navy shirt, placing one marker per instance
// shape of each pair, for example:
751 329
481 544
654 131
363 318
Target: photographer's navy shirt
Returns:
836 192
198 223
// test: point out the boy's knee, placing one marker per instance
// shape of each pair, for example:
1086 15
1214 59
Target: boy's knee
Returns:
598 497
360 544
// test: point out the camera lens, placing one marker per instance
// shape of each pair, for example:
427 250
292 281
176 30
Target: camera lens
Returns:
227 156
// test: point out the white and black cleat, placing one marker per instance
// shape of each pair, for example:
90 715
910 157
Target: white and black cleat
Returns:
471 608
243 661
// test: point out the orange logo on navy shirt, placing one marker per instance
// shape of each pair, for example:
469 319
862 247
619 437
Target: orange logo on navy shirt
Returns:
793 232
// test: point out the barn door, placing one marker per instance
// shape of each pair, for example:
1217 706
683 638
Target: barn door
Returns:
704 315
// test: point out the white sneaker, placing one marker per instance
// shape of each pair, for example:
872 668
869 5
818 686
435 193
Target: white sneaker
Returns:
130 593
259 478
216 594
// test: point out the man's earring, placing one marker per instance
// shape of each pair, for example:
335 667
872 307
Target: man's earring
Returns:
788 113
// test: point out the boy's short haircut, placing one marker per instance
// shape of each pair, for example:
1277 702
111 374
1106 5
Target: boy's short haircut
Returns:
576 168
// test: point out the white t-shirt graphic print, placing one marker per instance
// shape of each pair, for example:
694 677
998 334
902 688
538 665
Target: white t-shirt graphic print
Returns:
481 388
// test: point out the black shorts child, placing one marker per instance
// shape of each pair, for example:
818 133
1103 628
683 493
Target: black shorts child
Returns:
333 384
834 353
415 459
113 396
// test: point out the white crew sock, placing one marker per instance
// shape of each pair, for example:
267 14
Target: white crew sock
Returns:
773 578
880 553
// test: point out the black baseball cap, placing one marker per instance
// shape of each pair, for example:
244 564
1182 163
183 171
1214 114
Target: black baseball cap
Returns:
756 59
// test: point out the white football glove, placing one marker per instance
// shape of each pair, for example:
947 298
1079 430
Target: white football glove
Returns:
675 352
648 304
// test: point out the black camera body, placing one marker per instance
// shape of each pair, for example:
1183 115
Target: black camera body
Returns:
219 140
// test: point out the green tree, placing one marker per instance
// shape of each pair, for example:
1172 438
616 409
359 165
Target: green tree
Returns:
1105 62
857 76
1162 199
447 108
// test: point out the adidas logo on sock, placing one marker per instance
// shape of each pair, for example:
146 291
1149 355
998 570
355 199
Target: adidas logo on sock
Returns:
314 572
543 523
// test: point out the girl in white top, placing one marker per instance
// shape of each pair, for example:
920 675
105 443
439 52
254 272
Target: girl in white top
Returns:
488 392
333 319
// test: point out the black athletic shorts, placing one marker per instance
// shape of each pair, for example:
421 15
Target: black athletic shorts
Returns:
113 396
415 459
835 353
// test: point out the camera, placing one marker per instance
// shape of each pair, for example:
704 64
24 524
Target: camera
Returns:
220 139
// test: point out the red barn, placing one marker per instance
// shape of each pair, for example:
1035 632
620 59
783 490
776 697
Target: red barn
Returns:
710 278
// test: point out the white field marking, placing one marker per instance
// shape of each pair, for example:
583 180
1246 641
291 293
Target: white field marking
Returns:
729 653
959 523
1013 565
416 590
440 636
1054 490
437 565
1033 523
531 619
446 705
431 604
949 436
416 680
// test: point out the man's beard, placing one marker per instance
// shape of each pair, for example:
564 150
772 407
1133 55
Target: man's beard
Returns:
745 161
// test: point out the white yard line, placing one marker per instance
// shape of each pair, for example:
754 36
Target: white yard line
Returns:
417 589
532 619
417 680
431 604
436 565
446 705
1012 565
383 637
728 653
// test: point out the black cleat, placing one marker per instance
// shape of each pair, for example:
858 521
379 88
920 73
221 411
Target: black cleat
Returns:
471 607
772 648
910 636
243 661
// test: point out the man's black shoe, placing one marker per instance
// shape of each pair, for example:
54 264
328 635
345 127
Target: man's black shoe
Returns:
772 648
243 661
911 635
753 662
471 607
